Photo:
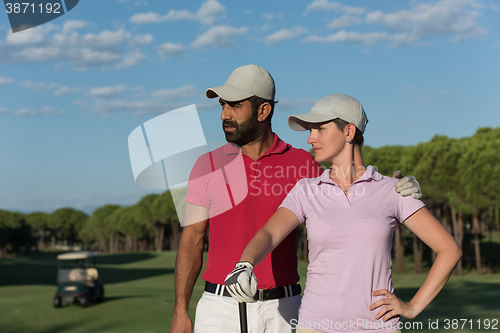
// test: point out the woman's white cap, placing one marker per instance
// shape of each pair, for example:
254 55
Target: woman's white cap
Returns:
328 108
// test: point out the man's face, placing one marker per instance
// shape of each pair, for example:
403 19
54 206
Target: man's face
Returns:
239 122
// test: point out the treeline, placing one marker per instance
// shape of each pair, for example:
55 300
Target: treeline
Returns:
151 224
460 181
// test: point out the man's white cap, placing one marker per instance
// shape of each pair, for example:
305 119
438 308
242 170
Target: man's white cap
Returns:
328 108
245 82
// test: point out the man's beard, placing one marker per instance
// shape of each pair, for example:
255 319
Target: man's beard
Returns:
244 133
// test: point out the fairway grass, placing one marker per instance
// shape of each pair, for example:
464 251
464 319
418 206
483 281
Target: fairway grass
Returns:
140 297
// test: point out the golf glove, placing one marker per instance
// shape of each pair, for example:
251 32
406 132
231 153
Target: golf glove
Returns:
407 185
241 283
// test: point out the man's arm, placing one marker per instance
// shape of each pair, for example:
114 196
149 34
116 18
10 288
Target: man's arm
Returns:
188 265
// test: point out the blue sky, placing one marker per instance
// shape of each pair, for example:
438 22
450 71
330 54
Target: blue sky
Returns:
73 89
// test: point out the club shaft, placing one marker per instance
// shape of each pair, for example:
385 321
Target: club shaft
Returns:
243 317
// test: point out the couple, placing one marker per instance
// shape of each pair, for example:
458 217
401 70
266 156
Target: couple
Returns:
247 101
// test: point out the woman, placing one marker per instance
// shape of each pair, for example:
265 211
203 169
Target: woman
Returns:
350 213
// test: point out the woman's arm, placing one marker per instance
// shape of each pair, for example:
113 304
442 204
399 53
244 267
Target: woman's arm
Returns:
241 283
272 233
431 232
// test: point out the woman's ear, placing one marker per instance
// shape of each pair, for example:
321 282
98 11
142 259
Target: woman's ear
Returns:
350 131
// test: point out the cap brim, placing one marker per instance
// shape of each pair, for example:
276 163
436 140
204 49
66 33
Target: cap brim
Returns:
300 122
227 93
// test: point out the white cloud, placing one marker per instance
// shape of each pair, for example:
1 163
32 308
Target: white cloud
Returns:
26 112
39 86
218 37
325 5
4 110
369 38
168 50
266 27
106 92
208 12
48 110
345 20
106 49
284 34
5 80
456 18
270 16
181 92
131 59
25 37
63 91
74 25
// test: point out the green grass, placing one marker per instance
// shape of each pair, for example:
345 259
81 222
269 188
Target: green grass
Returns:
140 296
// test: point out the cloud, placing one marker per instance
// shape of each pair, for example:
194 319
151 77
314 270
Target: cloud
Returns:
456 18
103 50
284 34
131 59
26 112
168 50
208 12
181 92
58 89
106 92
345 21
368 38
39 86
270 16
4 111
5 80
218 37
110 100
325 5
74 25
45 111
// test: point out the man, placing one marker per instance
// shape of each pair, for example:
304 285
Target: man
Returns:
272 168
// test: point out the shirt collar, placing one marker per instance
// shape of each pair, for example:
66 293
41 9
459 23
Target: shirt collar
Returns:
370 173
279 146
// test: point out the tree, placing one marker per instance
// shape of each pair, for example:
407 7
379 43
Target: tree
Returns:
144 212
38 222
67 222
8 222
97 229
164 211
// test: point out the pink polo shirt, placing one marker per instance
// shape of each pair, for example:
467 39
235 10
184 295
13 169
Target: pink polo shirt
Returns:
350 241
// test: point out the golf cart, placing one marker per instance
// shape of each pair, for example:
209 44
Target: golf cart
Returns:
80 283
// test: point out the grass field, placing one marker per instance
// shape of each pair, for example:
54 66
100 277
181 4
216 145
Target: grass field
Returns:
140 296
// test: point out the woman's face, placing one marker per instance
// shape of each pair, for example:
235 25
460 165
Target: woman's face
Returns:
327 141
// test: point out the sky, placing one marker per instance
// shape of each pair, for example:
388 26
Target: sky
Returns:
73 89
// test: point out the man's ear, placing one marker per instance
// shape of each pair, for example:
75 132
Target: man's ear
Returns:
264 111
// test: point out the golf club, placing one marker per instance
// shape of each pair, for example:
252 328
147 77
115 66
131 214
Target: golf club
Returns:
243 317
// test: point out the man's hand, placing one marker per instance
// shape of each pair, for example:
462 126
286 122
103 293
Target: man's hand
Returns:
241 283
407 185
181 323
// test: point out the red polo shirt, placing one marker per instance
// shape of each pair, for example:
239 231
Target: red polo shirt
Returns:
241 195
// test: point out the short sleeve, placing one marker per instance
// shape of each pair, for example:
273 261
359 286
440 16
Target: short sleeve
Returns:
197 188
406 206
294 200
